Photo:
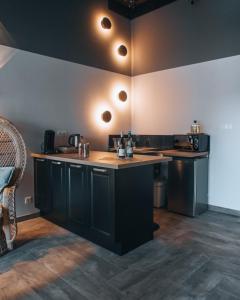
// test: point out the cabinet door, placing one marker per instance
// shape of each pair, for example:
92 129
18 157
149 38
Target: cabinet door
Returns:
41 185
77 196
58 190
102 201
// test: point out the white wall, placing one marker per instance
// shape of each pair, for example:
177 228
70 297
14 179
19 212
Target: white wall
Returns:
167 102
39 93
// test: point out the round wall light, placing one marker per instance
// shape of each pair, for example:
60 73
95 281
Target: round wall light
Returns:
106 116
106 23
122 50
122 96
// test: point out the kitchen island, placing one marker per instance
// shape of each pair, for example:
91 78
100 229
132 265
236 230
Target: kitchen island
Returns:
102 198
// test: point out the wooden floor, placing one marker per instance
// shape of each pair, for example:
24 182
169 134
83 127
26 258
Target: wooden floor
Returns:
188 259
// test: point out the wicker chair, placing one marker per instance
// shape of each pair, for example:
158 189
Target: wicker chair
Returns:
12 153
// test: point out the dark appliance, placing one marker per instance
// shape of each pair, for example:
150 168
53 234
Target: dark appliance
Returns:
188 186
48 144
192 142
74 140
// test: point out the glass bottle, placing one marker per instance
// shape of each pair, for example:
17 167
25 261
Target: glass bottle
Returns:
121 147
129 145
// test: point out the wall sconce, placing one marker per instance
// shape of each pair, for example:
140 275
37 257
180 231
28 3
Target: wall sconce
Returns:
106 116
122 50
122 96
106 23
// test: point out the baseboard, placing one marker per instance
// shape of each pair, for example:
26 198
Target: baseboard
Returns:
227 211
28 217
223 210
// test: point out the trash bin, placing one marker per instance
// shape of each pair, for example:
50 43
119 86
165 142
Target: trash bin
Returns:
160 193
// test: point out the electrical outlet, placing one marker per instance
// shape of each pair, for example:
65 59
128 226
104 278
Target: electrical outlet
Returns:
28 200
61 132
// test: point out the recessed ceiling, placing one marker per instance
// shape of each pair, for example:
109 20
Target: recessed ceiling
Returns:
135 8
131 3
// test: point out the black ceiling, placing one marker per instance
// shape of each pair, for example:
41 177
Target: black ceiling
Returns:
135 8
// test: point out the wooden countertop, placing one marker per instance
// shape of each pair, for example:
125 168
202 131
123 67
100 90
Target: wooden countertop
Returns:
105 159
185 154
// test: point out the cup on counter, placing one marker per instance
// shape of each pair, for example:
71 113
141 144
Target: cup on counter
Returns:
84 150
116 142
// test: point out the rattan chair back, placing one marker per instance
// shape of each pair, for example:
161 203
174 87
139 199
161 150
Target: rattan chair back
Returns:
12 150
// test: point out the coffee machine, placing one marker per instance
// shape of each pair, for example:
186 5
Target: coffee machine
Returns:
48 146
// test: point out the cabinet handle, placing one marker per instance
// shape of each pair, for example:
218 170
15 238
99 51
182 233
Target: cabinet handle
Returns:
99 170
56 163
76 166
40 159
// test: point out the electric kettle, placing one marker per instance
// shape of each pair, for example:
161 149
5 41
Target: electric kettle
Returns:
74 140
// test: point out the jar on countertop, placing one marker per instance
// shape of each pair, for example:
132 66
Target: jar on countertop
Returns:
195 127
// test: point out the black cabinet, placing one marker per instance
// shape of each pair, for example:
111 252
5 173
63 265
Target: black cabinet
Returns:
77 195
102 202
58 191
113 208
41 182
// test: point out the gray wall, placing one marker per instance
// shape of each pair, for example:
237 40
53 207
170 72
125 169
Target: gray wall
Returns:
39 93
181 34
65 29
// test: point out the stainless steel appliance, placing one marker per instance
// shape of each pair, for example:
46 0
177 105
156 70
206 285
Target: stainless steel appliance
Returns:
188 186
159 193
74 140
84 149
192 142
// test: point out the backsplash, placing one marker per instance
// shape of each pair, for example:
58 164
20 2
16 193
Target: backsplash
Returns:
162 142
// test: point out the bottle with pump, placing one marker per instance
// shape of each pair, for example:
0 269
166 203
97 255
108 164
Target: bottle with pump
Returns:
121 147
129 145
